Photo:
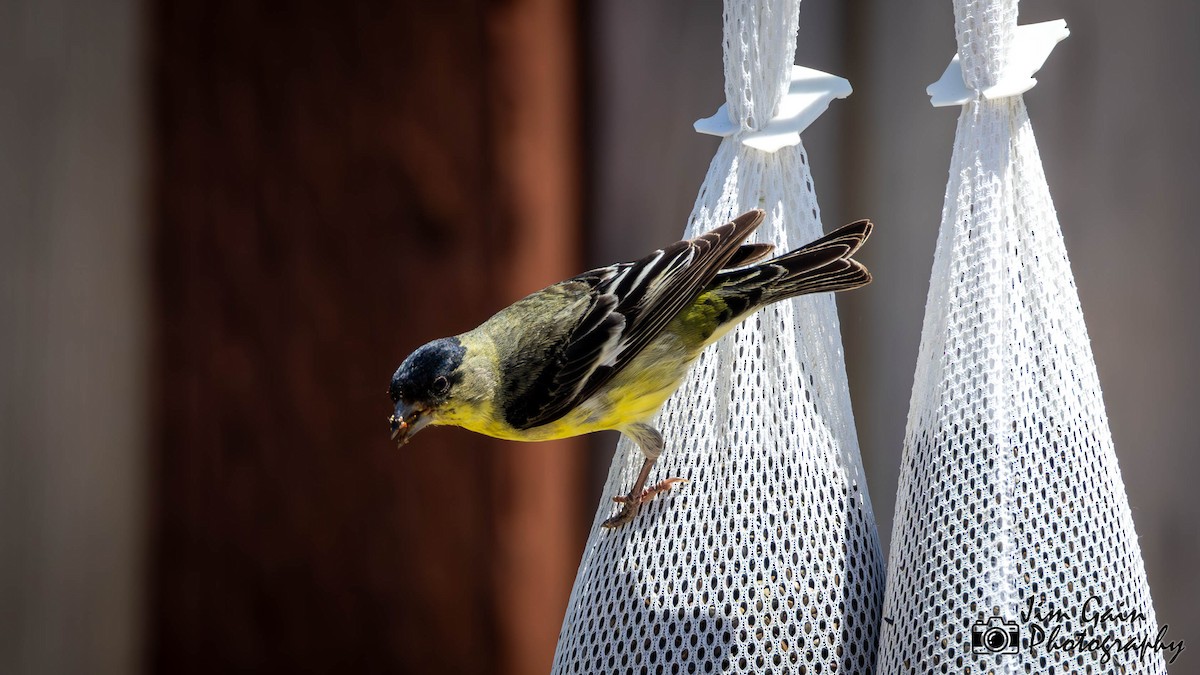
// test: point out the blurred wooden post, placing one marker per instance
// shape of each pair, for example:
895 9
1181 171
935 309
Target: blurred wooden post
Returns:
535 125
335 186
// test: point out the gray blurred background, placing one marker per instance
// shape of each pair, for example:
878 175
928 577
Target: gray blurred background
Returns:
1114 115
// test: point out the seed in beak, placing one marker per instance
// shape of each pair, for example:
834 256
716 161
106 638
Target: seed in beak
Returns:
398 425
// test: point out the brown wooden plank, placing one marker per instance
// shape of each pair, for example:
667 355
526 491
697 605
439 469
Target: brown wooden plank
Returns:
337 184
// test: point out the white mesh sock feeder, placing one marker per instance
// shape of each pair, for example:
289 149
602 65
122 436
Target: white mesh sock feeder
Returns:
768 559
1009 488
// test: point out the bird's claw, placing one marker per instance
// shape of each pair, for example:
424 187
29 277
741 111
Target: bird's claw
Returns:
650 492
632 503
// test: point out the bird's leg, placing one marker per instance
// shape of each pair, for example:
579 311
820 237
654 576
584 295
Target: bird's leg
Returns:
651 444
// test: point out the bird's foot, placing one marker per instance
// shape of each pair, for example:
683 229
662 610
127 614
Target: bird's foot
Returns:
631 503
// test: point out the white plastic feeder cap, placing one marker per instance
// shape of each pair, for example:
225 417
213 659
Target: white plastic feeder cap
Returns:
1030 48
807 97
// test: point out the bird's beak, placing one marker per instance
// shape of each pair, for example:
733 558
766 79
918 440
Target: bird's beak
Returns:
406 422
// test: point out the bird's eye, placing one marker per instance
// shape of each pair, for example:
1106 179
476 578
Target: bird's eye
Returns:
441 385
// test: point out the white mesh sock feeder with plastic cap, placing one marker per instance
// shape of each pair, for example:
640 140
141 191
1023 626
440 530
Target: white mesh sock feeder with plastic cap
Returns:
768 559
1010 498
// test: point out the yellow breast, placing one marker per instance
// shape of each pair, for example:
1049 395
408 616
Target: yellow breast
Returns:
634 395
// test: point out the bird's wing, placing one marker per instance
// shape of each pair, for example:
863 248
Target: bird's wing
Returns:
631 303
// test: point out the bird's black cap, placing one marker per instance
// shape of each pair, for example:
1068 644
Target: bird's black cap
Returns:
428 373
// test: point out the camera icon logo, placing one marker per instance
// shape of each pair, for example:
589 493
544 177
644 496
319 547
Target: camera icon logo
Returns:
995 636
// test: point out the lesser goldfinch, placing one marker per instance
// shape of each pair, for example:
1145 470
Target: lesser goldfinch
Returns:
605 349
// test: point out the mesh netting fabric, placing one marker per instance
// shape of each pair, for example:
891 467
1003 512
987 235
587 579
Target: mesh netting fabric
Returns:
768 560
1010 496
759 49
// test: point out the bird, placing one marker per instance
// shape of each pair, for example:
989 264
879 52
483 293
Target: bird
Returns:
604 350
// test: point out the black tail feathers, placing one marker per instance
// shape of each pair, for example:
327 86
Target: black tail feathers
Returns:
821 266
824 265
747 254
